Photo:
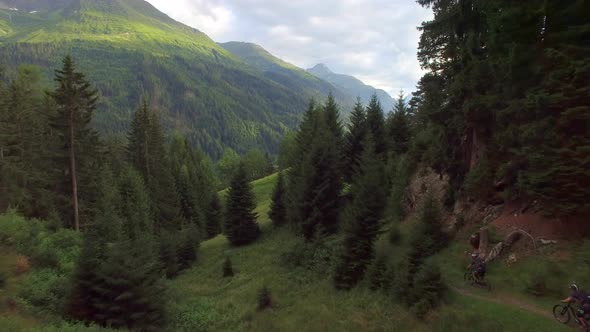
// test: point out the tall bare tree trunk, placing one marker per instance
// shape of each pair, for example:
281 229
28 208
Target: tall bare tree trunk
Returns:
73 174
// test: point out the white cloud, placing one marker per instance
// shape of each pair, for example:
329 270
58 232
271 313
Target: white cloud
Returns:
375 40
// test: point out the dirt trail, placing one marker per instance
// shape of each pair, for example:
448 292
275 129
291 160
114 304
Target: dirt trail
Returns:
505 300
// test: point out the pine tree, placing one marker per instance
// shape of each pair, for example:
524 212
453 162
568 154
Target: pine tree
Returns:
380 277
322 185
214 214
240 225
365 213
26 171
428 290
357 130
332 117
147 153
398 127
278 211
76 102
376 125
299 171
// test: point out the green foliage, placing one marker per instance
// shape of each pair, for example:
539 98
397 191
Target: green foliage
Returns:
147 153
75 103
380 275
240 224
45 291
394 236
214 216
278 211
479 182
365 213
398 127
357 131
486 96
376 125
264 298
228 270
429 289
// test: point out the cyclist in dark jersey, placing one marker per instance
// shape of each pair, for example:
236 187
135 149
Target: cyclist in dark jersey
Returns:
583 299
477 267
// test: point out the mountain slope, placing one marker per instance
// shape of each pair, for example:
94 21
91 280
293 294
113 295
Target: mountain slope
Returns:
287 74
127 49
352 85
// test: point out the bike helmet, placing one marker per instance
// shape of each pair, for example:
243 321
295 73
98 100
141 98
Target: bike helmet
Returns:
574 287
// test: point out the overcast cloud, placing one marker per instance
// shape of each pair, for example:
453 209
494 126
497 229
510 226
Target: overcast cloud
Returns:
374 40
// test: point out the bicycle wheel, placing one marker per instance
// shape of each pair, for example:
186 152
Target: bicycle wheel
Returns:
561 313
468 277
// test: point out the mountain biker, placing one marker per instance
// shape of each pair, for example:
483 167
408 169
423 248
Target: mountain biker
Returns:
584 299
477 267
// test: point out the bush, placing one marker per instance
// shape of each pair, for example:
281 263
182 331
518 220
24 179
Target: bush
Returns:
2 280
45 290
264 299
228 270
429 289
380 276
316 257
394 236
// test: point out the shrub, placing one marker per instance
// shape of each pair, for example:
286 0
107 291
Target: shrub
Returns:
228 270
379 274
45 290
264 299
2 280
429 289
394 236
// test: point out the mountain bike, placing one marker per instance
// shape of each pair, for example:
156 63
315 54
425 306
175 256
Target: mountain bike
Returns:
563 313
468 277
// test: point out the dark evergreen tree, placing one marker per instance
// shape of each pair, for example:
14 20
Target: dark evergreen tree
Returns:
428 290
365 213
278 211
147 153
118 283
27 173
380 277
357 130
398 127
297 174
331 113
264 298
376 125
214 215
75 102
322 185
240 225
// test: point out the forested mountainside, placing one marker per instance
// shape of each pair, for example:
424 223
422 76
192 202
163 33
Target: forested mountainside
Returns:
129 49
352 86
293 77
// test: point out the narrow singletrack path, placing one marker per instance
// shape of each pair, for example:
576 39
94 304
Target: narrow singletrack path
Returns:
505 300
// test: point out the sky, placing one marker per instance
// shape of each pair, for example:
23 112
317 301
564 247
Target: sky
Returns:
373 40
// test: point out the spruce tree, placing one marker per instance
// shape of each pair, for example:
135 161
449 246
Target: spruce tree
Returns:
75 102
376 125
278 211
147 153
322 186
240 224
357 130
214 215
398 127
365 213
228 270
298 173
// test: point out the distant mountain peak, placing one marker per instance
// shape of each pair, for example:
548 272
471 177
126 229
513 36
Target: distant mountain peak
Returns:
320 69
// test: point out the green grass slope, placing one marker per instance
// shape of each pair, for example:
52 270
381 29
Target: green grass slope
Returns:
203 300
